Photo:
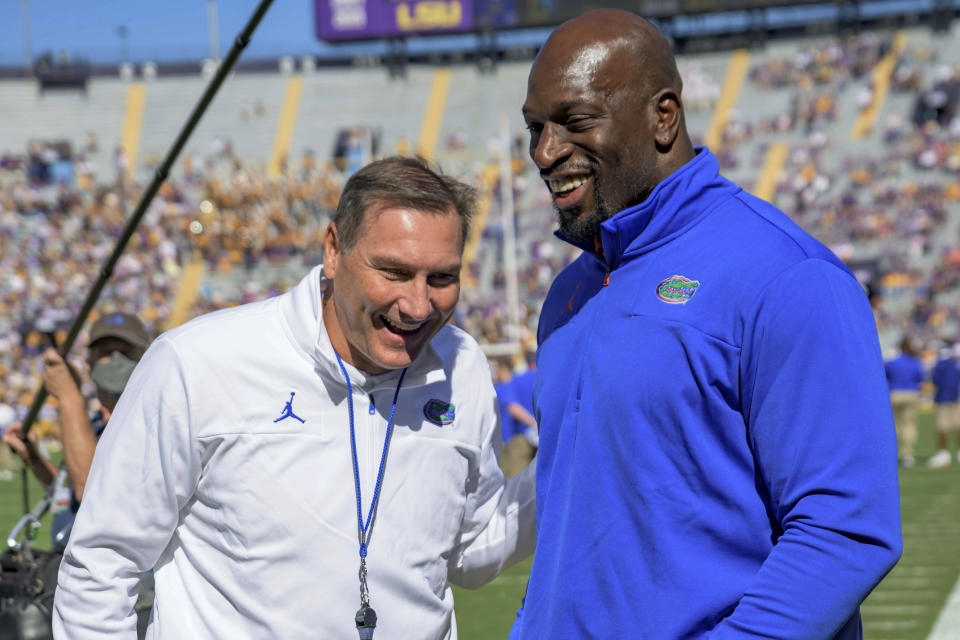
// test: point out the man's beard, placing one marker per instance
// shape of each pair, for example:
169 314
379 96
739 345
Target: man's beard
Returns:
582 229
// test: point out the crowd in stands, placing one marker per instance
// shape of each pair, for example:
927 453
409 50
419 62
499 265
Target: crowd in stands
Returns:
815 75
887 214
244 217
700 88
54 240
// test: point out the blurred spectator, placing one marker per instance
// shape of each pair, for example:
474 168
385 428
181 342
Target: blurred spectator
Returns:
117 341
519 426
939 102
905 375
946 380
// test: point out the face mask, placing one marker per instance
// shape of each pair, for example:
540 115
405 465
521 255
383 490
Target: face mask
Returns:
112 375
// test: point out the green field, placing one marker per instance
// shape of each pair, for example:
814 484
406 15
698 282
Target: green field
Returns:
903 607
11 505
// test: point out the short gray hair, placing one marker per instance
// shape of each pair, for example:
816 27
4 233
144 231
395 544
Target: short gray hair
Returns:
398 181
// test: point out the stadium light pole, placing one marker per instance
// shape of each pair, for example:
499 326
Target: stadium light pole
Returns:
27 39
160 175
509 230
213 29
122 35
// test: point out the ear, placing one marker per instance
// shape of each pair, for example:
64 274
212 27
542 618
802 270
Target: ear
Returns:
669 117
331 251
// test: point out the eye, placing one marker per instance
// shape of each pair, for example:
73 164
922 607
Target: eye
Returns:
579 123
535 131
443 279
393 274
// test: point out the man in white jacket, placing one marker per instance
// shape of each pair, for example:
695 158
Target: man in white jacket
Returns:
289 465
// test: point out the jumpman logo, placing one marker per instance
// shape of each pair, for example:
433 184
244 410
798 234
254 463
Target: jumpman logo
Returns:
288 411
569 306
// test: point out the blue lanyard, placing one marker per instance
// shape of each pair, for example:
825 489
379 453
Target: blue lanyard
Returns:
365 527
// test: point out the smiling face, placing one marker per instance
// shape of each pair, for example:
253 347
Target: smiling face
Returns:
394 289
603 111
589 133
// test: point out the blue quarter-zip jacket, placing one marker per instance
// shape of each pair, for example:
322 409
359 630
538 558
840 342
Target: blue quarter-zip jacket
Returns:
946 378
904 373
717 452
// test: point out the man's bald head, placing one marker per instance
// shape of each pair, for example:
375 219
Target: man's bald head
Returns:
588 39
605 117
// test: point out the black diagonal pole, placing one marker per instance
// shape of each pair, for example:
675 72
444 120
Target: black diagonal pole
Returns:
158 178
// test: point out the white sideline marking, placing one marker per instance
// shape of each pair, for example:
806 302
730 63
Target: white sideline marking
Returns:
893 625
947 626
903 595
923 570
895 581
875 611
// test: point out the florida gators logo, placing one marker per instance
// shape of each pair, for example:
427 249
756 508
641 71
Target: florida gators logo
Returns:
677 289
439 412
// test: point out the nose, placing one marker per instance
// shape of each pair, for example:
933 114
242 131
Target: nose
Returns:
415 305
549 146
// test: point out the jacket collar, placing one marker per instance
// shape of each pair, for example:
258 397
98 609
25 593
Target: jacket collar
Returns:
678 202
302 312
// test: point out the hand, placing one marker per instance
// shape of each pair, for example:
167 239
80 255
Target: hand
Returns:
26 448
13 436
56 375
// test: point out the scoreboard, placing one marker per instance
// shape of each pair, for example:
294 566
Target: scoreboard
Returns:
352 20
355 20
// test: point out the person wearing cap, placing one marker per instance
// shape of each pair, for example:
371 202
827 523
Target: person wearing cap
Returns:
117 342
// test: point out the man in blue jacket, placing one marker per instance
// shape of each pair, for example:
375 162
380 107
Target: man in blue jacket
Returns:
946 380
904 376
717 453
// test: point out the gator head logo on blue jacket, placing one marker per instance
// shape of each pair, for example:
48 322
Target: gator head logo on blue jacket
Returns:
439 412
677 289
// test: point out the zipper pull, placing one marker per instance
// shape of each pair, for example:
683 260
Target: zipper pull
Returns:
598 249
373 408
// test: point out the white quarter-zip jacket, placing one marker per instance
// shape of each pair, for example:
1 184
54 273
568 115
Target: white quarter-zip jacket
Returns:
227 467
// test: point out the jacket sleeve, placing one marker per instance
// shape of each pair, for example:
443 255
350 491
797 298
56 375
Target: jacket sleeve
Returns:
819 423
499 524
144 471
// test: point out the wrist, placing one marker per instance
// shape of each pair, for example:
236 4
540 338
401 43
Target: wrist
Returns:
73 400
